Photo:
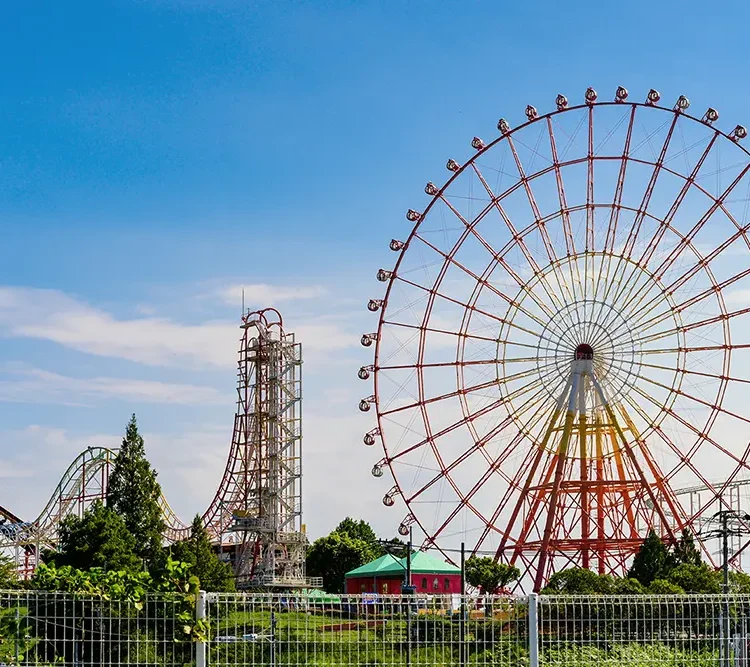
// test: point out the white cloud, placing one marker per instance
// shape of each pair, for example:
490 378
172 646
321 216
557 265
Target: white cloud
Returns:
55 316
740 297
37 385
262 295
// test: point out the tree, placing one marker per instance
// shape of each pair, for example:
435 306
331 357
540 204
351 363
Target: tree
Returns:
331 557
578 580
739 582
695 578
628 586
8 573
357 530
197 552
663 587
134 494
488 575
97 539
685 551
653 560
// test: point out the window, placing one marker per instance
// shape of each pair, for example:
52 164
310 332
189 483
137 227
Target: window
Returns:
424 583
447 585
435 584
385 588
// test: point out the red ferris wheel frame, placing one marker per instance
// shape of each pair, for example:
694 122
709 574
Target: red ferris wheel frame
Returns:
546 476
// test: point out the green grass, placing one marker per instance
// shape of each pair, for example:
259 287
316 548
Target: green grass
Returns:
299 641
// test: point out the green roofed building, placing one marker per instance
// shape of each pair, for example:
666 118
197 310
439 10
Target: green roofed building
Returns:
430 573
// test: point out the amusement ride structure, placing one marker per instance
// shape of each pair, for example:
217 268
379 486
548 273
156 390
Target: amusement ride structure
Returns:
563 348
256 513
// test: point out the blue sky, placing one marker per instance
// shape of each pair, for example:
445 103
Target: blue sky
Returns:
156 154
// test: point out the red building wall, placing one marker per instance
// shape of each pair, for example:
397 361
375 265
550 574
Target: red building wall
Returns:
435 584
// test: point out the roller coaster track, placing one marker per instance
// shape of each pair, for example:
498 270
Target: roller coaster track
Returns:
83 482
87 476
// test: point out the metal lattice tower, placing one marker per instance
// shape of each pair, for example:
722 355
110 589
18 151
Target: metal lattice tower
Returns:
266 500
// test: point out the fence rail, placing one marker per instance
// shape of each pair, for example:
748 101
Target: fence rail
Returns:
38 628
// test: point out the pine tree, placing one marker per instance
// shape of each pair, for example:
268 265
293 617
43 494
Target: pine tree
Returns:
134 494
214 575
652 561
97 539
685 552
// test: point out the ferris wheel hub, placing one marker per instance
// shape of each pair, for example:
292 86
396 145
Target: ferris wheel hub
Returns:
584 351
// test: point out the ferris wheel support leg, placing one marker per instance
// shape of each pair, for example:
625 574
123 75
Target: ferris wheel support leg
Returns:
561 459
599 492
622 474
585 522
663 486
632 457
530 477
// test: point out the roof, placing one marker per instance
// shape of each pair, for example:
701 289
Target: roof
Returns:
422 562
373 568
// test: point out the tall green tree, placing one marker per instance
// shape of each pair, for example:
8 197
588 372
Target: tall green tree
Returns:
357 530
487 575
197 552
653 560
97 539
331 557
134 494
685 552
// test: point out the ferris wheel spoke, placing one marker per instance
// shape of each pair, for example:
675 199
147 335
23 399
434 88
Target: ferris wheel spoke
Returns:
701 348
641 212
651 248
686 460
477 414
481 280
570 245
443 397
464 363
609 242
684 422
445 332
470 228
679 307
483 480
518 239
479 444
590 245
549 248
694 325
687 238
698 400
681 280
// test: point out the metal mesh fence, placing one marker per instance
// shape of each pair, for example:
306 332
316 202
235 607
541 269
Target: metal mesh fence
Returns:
367 630
689 631
38 628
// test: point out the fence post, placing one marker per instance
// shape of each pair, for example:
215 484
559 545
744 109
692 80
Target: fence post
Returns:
200 644
533 630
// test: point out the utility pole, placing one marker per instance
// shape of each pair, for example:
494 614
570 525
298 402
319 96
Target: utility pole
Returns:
730 522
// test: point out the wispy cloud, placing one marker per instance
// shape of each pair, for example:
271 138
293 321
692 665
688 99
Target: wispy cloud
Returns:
262 295
58 317
35 385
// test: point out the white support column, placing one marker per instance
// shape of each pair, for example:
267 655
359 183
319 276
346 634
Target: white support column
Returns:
200 615
533 630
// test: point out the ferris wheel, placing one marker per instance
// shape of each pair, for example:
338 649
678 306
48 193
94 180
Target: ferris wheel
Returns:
564 339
